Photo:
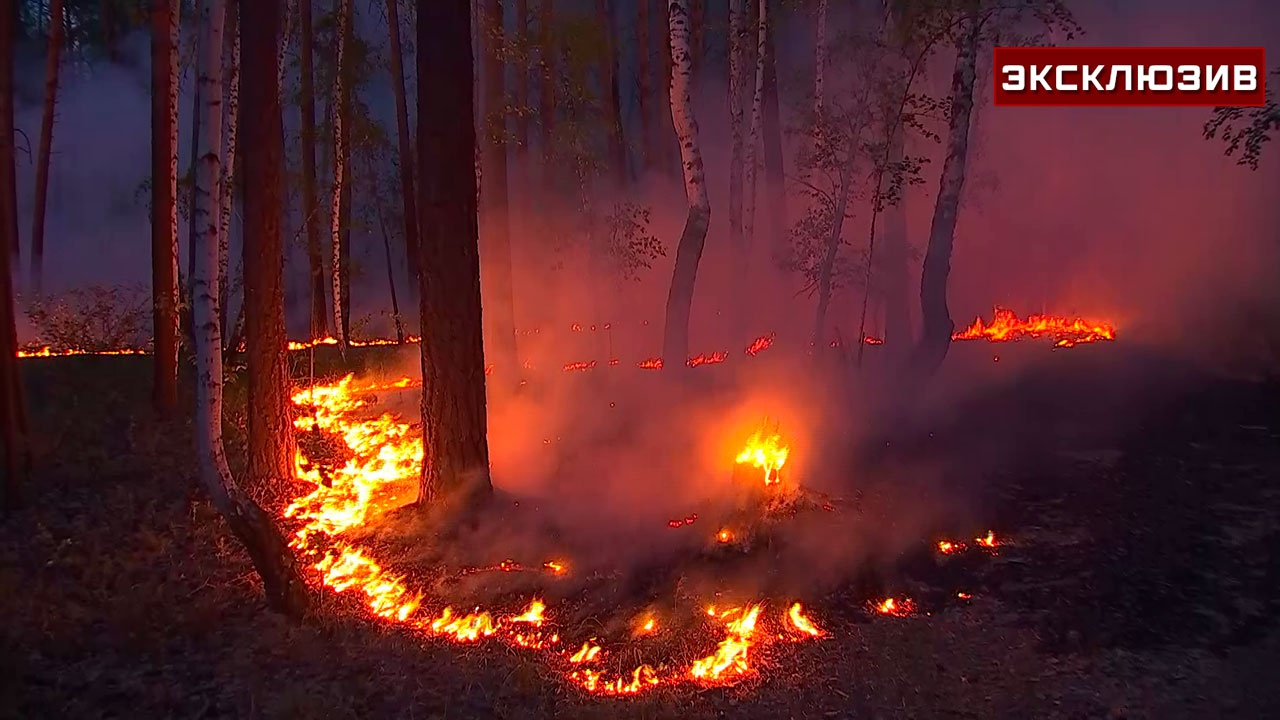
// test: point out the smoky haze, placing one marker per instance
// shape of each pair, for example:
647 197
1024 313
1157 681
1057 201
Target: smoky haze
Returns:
1124 215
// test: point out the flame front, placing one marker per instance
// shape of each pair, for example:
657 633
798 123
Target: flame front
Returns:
730 658
1066 332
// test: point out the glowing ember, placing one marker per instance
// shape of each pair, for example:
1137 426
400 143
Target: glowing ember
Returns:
581 365
712 359
589 652
947 547
896 608
989 541
802 623
646 626
760 344
641 678
651 364
1065 332
556 567
767 452
963 595
724 536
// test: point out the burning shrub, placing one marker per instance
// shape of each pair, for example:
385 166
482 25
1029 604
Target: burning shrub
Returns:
97 318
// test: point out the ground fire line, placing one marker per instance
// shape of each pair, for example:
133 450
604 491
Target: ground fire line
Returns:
1005 326
381 472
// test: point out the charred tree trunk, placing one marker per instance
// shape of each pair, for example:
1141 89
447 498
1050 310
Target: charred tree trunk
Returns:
232 115
409 204
936 317
675 341
310 204
343 10
612 94
13 423
547 90
496 236
285 590
775 179
271 442
453 389
52 63
164 208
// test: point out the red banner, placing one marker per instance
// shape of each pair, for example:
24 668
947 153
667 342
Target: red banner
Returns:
1130 76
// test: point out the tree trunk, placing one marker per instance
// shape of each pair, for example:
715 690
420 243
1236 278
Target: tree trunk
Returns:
896 258
547 90
737 48
386 247
232 115
773 158
164 208
52 62
644 50
697 36
522 89
496 236
13 423
285 590
347 68
936 317
196 110
408 201
827 268
612 94
453 390
753 142
820 60
310 203
675 342
343 10
271 443
670 160
107 21
285 34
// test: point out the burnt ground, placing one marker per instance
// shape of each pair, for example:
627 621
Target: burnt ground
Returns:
1141 576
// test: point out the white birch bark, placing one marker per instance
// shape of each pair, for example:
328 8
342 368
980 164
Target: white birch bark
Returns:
675 343
753 143
339 153
214 472
820 59
695 183
736 53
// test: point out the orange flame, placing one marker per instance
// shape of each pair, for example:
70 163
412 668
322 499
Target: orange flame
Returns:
1066 332
767 452
802 623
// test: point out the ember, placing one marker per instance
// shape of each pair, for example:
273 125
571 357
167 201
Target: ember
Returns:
896 608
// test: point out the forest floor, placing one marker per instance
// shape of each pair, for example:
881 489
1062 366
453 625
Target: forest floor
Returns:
1142 579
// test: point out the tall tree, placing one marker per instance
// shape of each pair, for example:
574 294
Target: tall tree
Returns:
496 235
409 204
644 101
753 142
285 590
895 256
737 61
668 152
547 86
271 442
343 10
938 326
612 92
347 68
164 207
184 318
453 383
773 158
310 203
232 79
13 423
820 58
675 341
52 64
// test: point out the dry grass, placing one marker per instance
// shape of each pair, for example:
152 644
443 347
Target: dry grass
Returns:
124 596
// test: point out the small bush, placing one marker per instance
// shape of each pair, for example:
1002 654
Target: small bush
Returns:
93 319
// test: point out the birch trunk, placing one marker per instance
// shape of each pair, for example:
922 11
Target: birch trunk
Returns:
675 342
197 109
310 201
409 203
285 590
232 79
164 207
52 63
339 164
935 315
820 60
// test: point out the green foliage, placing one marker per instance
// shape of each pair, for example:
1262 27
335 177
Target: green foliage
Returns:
629 245
1245 130
95 318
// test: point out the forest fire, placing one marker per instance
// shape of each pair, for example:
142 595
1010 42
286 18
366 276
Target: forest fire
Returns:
380 475
1066 332
765 451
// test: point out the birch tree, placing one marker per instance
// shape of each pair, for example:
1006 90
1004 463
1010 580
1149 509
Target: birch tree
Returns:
310 200
675 342
285 589
164 206
52 63
231 77
339 166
